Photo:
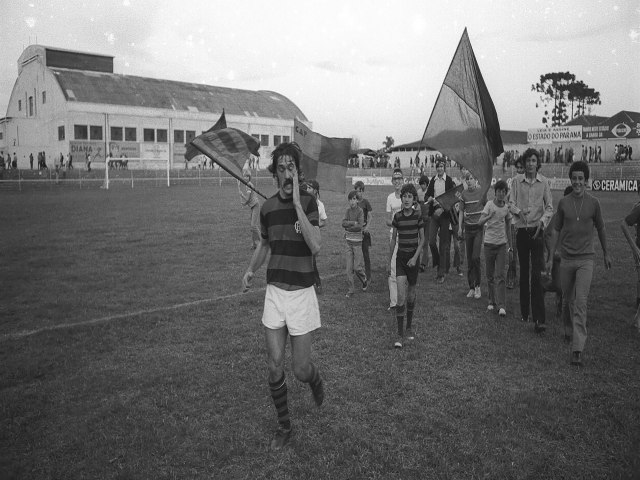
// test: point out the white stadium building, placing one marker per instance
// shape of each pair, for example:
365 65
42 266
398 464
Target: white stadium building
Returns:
72 102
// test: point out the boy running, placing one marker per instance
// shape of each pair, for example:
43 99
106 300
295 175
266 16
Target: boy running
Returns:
408 232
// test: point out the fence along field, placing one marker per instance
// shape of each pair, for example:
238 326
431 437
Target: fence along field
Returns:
180 391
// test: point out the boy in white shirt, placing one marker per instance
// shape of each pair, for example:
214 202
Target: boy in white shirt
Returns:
497 236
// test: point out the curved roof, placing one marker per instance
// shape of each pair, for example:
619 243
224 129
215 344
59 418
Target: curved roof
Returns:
115 89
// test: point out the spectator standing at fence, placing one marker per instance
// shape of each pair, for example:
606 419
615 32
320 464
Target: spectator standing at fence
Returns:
531 203
250 199
69 161
290 236
497 237
394 204
578 214
365 205
31 161
440 220
313 187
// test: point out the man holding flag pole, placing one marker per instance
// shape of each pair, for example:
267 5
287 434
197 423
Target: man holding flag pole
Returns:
290 238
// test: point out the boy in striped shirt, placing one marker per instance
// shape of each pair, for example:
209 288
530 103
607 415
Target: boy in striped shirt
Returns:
408 231
352 223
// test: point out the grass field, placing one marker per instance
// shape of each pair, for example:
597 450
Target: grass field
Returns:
128 352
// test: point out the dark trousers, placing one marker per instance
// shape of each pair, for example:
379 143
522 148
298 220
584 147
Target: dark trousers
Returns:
366 245
531 251
473 236
440 253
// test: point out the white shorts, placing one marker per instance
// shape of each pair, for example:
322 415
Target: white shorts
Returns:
295 309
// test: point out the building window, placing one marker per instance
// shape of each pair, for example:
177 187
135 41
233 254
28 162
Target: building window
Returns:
276 140
116 134
19 105
130 134
30 106
1 135
178 136
44 97
264 140
61 132
95 132
80 132
286 139
149 135
161 135
191 134
256 136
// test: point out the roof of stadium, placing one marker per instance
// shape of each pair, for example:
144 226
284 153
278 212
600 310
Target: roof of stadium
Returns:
116 89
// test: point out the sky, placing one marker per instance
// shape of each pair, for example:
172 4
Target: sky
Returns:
367 69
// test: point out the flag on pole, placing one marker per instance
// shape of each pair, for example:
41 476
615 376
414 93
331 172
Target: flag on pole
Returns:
323 159
230 148
219 125
464 123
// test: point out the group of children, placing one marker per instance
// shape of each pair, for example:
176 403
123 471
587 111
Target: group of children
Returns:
483 222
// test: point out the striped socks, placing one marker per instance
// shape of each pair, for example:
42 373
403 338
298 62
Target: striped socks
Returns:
279 395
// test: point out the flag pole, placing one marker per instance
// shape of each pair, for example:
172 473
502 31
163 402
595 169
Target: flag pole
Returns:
233 174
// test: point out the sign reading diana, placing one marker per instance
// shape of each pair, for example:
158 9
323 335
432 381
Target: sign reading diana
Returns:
555 134
615 185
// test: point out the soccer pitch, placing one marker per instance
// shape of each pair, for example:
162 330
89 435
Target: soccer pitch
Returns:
128 351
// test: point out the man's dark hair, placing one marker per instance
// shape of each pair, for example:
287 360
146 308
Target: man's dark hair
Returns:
359 184
579 166
290 149
527 153
423 179
352 194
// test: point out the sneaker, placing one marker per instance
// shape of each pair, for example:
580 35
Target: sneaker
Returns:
491 307
365 285
440 279
423 267
459 272
408 334
477 293
471 293
281 438
524 319
502 312
349 294
398 343
391 308
576 359
318 393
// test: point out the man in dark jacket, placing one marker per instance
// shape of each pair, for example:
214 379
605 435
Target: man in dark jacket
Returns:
440 220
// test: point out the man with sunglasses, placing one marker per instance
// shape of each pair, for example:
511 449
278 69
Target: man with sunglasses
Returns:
290 237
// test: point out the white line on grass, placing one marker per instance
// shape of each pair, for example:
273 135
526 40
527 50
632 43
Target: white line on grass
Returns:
110 318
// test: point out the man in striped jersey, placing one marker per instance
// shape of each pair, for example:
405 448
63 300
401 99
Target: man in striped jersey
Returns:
407 230
291 235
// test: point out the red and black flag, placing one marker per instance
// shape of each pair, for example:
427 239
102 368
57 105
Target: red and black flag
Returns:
464 123
230 148
219 125
323 159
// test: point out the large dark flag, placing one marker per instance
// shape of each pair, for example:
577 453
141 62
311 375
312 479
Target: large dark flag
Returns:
464 123
323 159
230 148
219 125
